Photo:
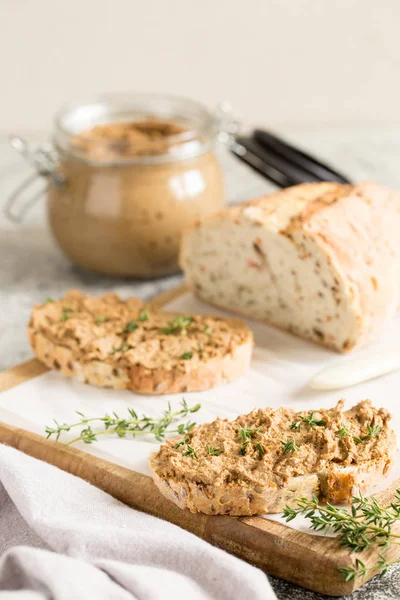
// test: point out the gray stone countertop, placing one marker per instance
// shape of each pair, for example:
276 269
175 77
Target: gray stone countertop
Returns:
32 267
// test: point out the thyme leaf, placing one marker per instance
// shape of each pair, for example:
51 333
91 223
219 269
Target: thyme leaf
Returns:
65 315
131 326
243 447
100 319
260 448
122 348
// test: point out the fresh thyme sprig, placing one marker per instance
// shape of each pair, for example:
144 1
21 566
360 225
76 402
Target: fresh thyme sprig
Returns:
66 313
211 451
311 421
243 447
246 433
131 425
365 525
122 348
371 432
361 570
130 326
289 446
182 442
295 426
260 448
342 432
190 452
177 325
100 319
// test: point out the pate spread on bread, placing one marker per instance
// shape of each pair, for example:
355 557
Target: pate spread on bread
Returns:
320 260
120 344
263 461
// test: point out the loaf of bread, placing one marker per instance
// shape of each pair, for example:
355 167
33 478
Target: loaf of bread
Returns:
129 345
266 460
320 260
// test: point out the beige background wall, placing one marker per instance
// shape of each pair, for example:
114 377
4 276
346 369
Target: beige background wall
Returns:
285 62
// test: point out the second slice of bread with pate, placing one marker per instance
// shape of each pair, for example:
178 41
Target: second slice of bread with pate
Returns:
120 344
266 460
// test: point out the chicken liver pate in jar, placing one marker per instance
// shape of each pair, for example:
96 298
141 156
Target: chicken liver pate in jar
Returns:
135 172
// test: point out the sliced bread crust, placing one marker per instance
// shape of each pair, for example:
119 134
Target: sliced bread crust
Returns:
260 476
129 345
320 260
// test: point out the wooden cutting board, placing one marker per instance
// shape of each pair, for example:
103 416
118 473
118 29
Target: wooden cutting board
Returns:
300 558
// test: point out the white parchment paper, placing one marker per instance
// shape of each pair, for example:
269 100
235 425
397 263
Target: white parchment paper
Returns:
281 369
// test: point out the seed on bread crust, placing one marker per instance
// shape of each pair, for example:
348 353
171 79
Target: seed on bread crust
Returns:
120 344
265 463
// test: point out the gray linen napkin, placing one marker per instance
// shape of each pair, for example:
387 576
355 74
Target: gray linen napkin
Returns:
61 539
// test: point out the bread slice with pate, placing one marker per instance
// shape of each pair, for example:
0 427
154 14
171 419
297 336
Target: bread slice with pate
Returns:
320 260
266 460
118 344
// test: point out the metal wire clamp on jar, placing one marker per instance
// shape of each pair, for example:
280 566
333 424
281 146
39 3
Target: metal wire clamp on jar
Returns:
124 215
